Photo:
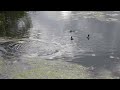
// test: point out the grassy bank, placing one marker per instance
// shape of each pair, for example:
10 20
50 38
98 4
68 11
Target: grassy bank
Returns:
52 70
35 68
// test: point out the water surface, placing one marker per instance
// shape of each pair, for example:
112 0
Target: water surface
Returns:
47 35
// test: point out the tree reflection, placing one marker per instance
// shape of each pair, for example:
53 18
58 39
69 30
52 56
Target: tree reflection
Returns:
14 24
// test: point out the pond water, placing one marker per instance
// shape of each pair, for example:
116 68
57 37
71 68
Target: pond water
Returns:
47 35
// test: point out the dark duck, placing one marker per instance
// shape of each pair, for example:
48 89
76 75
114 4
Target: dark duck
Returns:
71 31
72 38
88 37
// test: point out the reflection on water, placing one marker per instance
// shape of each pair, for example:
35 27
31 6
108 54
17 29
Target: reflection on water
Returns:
47 35
14 24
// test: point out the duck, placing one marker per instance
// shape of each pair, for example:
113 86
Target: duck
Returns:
88 37
71 31
72 38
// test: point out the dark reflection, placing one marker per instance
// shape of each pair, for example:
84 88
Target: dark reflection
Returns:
14 24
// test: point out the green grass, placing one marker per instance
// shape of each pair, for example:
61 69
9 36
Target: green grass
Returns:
47 69
44 69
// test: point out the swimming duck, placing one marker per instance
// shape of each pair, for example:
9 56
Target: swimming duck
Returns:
88 37
71 31
72 38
